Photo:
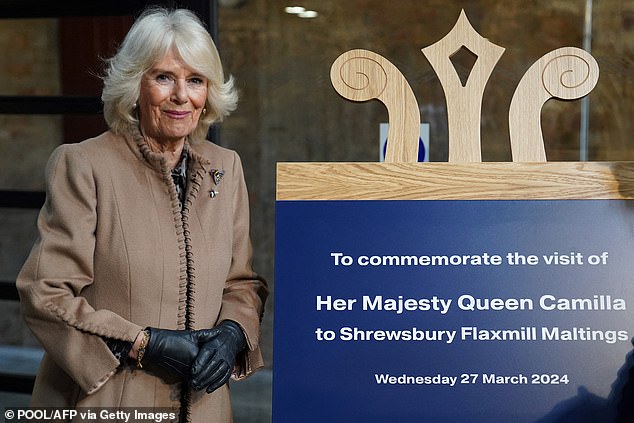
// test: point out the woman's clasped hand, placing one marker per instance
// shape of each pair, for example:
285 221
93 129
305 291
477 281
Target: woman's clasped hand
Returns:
203 358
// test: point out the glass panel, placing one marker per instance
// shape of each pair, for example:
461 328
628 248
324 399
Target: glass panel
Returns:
282 65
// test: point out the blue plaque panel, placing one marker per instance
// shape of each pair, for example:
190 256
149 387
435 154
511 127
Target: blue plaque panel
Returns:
453 311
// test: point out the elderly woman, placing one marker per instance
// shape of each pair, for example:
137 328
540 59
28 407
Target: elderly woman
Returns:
140 287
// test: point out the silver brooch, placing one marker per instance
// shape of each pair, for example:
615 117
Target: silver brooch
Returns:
216 177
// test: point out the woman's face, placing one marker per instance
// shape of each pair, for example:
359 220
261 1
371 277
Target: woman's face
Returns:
171 100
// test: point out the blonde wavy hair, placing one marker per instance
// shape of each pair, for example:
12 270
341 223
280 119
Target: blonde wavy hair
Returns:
152 35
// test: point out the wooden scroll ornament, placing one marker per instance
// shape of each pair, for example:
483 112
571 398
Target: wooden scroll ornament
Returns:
567 73
361 75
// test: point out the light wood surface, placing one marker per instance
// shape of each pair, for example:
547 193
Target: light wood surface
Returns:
361 75
567 73
442 181
464 103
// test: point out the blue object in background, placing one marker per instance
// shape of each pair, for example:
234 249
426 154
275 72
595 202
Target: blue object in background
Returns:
423 142
422 152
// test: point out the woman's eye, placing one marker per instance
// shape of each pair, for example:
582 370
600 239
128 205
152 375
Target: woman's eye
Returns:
163 78
196 81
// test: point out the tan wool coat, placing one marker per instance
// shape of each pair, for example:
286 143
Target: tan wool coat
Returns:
117 254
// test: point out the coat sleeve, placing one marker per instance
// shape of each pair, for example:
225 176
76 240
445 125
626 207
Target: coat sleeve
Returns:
60 266
245 291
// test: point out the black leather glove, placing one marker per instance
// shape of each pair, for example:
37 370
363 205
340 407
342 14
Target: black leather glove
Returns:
219 348
170 353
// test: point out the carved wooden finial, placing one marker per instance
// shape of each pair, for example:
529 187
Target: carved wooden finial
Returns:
464 103
361 75
567 73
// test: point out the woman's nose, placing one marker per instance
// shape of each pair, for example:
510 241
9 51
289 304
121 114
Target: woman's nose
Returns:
179 92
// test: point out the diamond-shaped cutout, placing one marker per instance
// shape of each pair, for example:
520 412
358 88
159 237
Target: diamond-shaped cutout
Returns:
463 62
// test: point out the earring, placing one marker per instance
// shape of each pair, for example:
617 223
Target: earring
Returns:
204 110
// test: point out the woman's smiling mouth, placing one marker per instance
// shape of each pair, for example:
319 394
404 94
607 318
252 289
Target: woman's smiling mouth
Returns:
177 114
